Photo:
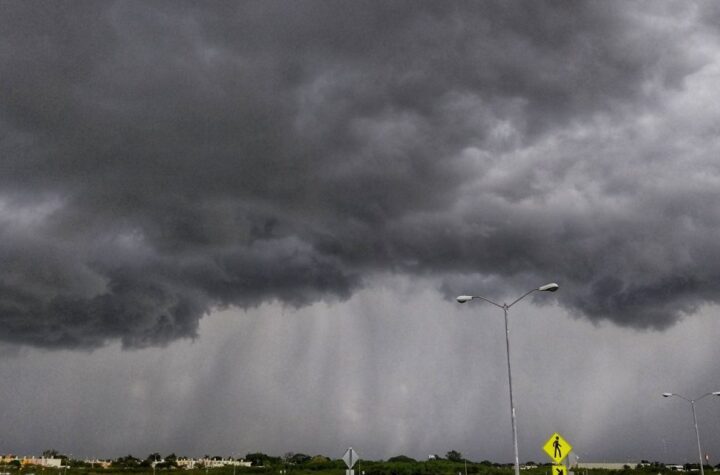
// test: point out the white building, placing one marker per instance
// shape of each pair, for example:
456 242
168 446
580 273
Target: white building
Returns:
607 465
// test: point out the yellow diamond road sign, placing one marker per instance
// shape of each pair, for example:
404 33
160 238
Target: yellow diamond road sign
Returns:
557 448
559 470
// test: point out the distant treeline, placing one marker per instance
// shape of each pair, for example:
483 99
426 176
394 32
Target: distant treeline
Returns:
453 463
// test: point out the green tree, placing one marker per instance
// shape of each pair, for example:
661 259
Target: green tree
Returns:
319 462
454 456
126 462
150 459
299 459
259 459
169 461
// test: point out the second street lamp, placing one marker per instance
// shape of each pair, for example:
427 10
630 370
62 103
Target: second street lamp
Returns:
552 287
697 432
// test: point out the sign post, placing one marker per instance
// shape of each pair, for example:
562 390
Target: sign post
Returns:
350 458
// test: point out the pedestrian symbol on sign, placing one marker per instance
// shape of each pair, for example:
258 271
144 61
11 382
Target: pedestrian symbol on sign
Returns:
557 448
558 451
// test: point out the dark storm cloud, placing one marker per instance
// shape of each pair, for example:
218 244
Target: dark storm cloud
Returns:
163 159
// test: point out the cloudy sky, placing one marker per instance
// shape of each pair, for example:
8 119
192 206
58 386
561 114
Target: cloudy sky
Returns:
238 226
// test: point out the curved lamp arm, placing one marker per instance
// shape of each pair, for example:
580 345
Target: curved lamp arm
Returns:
552 287
714 393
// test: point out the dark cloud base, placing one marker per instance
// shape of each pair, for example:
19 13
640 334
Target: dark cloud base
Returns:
161 160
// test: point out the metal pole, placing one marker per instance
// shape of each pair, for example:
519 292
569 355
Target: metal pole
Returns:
697 434
466 298
512 405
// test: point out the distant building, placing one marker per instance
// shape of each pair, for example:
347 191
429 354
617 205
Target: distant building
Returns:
186 463
51 462
190 463
606 465
98 463
39 461
226 462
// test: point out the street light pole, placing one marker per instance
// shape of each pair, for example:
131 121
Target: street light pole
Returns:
697 436
697 432
505 307
512 405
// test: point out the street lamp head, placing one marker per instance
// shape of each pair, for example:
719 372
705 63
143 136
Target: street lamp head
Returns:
715 393
549 287
464 298
667 394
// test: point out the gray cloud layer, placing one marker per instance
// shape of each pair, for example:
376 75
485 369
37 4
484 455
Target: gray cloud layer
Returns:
163 159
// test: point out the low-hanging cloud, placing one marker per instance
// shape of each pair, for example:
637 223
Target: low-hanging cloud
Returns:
163 159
